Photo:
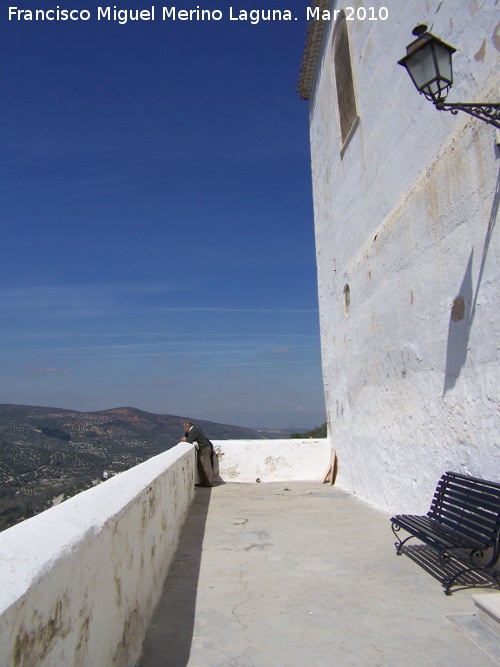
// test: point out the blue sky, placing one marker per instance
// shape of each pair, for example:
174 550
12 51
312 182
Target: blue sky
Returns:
157 240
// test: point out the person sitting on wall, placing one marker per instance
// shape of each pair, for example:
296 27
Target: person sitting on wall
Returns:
204 452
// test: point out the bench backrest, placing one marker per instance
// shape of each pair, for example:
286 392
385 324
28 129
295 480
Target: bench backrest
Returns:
469 506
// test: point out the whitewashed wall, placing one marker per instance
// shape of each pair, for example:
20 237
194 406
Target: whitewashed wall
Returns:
272 460
407 218
80 581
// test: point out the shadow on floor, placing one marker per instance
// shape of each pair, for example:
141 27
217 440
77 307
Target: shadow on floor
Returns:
428 559
170 633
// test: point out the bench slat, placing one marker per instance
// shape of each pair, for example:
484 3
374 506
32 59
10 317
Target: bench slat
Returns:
473 498
468 505
464 518
473 533
487 492
427 530
449 505
474 489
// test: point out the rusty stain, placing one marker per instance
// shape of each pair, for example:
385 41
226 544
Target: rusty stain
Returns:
131 633
152 502
473 8
496 37
368 48
273 462
431 200
118 586
32 647
232 471
81 650
480 54
458 309
411 297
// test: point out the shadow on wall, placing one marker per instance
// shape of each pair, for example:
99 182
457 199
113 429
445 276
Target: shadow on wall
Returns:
463 309
170 633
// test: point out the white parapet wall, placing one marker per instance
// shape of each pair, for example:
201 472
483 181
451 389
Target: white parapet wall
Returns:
272 460
80 582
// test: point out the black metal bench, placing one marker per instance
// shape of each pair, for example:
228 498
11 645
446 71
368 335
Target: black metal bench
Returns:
463 521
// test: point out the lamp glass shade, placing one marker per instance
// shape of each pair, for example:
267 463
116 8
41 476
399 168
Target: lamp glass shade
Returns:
420 66
428 62
442 55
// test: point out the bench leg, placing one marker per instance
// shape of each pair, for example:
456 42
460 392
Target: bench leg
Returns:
451 580
400 542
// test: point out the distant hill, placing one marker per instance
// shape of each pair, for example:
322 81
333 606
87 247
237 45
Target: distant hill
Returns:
48 453
318 432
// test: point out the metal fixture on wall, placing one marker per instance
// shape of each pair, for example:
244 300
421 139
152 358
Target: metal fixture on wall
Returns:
428 62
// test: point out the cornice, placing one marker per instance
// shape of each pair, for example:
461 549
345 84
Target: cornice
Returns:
312 48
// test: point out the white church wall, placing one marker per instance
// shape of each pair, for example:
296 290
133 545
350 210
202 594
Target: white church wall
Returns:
406 218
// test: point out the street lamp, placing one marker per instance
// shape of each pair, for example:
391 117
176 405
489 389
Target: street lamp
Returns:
428 62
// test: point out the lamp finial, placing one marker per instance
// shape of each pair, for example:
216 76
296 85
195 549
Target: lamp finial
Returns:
419 29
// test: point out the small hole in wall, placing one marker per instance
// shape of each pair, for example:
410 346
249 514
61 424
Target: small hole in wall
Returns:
347 299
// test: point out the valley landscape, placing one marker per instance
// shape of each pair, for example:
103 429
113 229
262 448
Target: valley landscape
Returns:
50 454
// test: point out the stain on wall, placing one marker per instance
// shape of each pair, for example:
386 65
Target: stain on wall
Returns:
458 309
33 645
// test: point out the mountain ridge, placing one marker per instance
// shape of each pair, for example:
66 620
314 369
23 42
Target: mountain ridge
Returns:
50 452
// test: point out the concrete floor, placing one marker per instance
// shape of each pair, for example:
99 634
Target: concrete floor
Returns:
302 574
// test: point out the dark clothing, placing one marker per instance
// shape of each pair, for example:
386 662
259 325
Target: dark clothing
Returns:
203 455
204 467
195 434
